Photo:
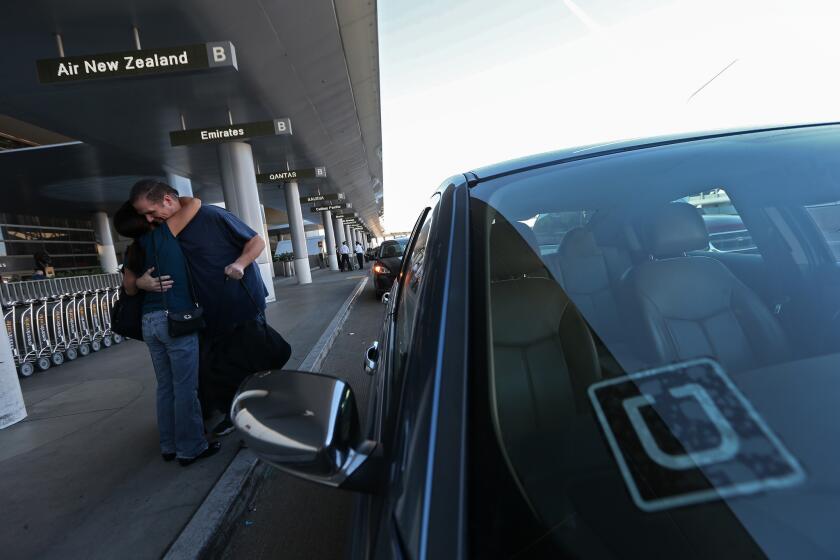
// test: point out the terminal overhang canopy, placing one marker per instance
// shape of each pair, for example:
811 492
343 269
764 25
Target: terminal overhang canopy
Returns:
313 62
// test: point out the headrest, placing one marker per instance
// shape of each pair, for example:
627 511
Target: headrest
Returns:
514 251
674 229
578 242
526 311
612 228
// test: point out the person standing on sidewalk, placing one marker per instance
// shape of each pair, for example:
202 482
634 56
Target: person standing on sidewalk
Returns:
220 246
345 257
340 259
175 359
360 255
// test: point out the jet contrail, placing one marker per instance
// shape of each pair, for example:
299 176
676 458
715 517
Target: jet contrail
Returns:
584 18
728 66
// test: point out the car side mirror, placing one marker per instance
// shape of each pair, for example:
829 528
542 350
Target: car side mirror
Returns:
305 424
386 297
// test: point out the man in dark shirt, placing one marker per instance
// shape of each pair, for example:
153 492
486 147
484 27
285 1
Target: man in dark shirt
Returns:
217 246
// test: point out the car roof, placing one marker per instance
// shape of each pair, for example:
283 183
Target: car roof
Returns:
596 150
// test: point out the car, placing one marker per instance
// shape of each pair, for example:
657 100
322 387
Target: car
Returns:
387 264
612 388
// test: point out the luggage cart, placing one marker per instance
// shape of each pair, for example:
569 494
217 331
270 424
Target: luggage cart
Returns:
58 319
86 341
114 297
110 285
92 295
71 316
11 316
37 291
28 350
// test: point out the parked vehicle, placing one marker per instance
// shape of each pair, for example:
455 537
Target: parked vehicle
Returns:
629 393
387 264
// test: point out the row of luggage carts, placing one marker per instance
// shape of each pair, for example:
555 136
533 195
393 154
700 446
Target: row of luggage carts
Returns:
50 321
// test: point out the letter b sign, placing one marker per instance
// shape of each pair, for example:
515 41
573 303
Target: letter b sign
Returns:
221 54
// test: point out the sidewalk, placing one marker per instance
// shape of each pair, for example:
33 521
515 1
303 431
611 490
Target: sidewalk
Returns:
294 519
82 477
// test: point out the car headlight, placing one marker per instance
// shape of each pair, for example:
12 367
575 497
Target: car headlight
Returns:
381 269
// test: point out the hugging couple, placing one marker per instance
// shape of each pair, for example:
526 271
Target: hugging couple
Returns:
182 256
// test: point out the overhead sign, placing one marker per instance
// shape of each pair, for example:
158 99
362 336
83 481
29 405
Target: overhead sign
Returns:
292 175
321 197
136 63
325 207
230 133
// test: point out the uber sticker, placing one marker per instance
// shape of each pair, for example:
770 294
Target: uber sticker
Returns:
684 434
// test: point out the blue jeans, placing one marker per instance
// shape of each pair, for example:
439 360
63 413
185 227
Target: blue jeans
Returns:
176 368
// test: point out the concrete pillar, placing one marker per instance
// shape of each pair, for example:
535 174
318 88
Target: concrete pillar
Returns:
329 239
302 272
181 184
12 407
104 242
348 235
239 188
268 253
339 231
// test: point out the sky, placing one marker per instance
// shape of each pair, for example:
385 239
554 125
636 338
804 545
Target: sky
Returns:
466 83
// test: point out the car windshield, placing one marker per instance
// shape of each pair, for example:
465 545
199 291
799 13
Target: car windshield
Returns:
393 248
663 366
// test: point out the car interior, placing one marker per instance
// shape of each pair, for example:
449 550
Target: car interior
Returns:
637 286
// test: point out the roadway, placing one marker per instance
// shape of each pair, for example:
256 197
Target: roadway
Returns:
82 477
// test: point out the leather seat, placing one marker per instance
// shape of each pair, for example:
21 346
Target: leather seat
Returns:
693 306
544 359
581 267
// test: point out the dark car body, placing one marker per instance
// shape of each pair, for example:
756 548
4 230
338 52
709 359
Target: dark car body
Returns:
486 437
386 264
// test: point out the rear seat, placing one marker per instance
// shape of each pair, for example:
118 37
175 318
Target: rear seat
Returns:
590 264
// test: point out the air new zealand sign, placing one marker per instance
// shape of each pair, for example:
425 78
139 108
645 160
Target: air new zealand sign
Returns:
137 63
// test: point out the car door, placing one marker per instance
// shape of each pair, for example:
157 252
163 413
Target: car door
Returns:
422 351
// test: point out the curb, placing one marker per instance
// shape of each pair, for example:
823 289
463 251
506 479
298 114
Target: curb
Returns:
225 500
237 485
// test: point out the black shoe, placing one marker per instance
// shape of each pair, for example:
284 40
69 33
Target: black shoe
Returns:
212 449
168 456
224 427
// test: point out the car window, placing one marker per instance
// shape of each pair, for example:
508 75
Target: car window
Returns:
638 392
550 227
410 284
727 233
827 218
391 249
413 381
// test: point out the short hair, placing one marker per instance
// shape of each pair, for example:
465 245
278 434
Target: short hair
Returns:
129 223
151 189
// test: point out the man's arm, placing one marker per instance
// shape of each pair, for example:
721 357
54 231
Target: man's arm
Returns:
180 219
252 249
